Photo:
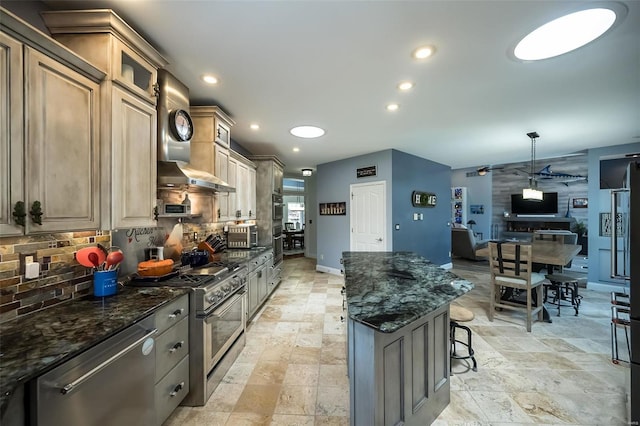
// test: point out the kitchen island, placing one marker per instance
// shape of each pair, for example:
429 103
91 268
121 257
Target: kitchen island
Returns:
398 336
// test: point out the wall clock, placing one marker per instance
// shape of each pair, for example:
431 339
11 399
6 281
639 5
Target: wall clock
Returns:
180 124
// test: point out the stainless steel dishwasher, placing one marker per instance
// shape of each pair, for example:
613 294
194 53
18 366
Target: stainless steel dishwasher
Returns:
110 384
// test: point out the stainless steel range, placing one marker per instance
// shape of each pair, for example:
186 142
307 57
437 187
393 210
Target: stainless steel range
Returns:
217 323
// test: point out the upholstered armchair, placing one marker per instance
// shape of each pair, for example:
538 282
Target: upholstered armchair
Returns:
464 244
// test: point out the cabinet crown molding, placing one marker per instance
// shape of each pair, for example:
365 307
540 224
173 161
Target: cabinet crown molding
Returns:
101 21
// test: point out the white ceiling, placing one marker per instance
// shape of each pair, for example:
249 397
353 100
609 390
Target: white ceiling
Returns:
336 64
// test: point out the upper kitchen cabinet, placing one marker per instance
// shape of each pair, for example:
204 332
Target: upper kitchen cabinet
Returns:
129 92
270 173
49 137
245 196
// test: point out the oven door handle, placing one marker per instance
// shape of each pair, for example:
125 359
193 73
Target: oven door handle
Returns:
279 237
222 310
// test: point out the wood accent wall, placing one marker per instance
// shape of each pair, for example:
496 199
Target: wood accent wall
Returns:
514 177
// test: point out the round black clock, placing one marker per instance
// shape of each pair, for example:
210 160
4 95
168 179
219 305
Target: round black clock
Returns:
180 124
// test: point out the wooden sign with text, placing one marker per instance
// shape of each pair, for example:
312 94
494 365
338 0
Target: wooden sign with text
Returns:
423 199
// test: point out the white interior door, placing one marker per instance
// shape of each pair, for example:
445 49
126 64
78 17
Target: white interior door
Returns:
368 217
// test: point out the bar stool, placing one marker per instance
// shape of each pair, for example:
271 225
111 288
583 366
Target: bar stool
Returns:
620 317
563 286
459 314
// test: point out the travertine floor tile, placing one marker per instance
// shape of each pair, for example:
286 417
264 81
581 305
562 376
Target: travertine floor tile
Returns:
293 368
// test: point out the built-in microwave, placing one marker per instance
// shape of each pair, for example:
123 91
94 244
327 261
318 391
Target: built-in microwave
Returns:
278 207
242 236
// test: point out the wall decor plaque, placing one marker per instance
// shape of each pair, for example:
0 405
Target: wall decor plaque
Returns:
333 209
366 171
423 199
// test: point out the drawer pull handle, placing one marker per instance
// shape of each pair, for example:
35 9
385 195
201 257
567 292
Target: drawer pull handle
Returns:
176 313
177 389
176 347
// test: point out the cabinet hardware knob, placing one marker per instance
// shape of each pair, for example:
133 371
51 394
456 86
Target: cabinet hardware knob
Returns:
176 313
177 389
36 212
19 213
176 346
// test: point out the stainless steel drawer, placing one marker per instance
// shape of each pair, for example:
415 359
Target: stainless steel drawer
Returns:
171 390
172 313
171 347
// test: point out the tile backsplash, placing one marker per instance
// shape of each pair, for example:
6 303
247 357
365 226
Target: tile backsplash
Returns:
61 277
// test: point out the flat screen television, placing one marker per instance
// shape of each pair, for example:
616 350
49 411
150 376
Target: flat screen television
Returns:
548 205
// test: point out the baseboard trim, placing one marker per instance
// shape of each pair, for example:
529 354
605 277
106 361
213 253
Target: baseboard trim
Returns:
328 270
447 265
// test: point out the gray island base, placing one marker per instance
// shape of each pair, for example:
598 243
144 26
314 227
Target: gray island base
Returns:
398 337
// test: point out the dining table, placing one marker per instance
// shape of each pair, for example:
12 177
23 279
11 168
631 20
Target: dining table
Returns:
550 253
290 236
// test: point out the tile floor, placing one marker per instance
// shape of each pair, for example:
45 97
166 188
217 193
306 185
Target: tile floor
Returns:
293 369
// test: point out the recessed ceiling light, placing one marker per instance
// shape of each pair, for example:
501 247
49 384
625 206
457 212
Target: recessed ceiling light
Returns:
296 149
308 132
210 79
405 85
423 52
254 126
565 34
393 107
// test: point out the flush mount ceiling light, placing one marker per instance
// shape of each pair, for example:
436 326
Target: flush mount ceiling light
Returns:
307 172
307 132
405 85
423 52
296 149
254 126
393 107
565 34
209 79
532 193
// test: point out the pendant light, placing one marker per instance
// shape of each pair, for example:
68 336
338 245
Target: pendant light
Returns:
532 193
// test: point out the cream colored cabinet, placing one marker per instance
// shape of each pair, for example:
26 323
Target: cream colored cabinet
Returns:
129 130
11 126
50 98
229 205
133 164
252 193
245 188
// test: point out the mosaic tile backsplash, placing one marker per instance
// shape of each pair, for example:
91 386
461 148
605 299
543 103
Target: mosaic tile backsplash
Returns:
61 276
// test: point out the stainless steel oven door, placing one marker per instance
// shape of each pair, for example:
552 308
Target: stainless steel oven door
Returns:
223 326
278 207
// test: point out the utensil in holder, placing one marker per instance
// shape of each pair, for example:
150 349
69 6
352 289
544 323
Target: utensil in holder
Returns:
105 283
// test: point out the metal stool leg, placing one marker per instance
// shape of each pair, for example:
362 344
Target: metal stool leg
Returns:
470 353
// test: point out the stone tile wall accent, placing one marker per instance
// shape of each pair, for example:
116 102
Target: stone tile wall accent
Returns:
61 278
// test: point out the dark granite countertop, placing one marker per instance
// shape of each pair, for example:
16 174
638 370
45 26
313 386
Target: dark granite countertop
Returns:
35 343
388 290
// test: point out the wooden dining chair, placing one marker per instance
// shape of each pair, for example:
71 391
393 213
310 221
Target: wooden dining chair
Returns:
510 265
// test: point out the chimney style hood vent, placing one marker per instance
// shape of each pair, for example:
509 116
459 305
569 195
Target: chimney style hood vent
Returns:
174 170
180 175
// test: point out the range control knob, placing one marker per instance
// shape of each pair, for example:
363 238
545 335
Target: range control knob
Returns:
212 298
226 288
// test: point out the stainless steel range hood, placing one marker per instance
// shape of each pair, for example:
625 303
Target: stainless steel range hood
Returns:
178 174
174 170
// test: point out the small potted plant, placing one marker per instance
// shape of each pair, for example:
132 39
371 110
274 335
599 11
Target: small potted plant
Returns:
581 229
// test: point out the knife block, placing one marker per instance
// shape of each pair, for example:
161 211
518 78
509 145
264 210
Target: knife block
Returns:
205 246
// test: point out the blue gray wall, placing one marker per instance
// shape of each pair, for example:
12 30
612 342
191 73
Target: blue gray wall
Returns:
431 236
403 173
332 185
479 192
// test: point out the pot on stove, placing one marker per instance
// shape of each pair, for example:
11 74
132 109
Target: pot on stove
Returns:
194 258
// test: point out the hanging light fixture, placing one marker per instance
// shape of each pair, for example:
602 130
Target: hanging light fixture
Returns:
532 193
